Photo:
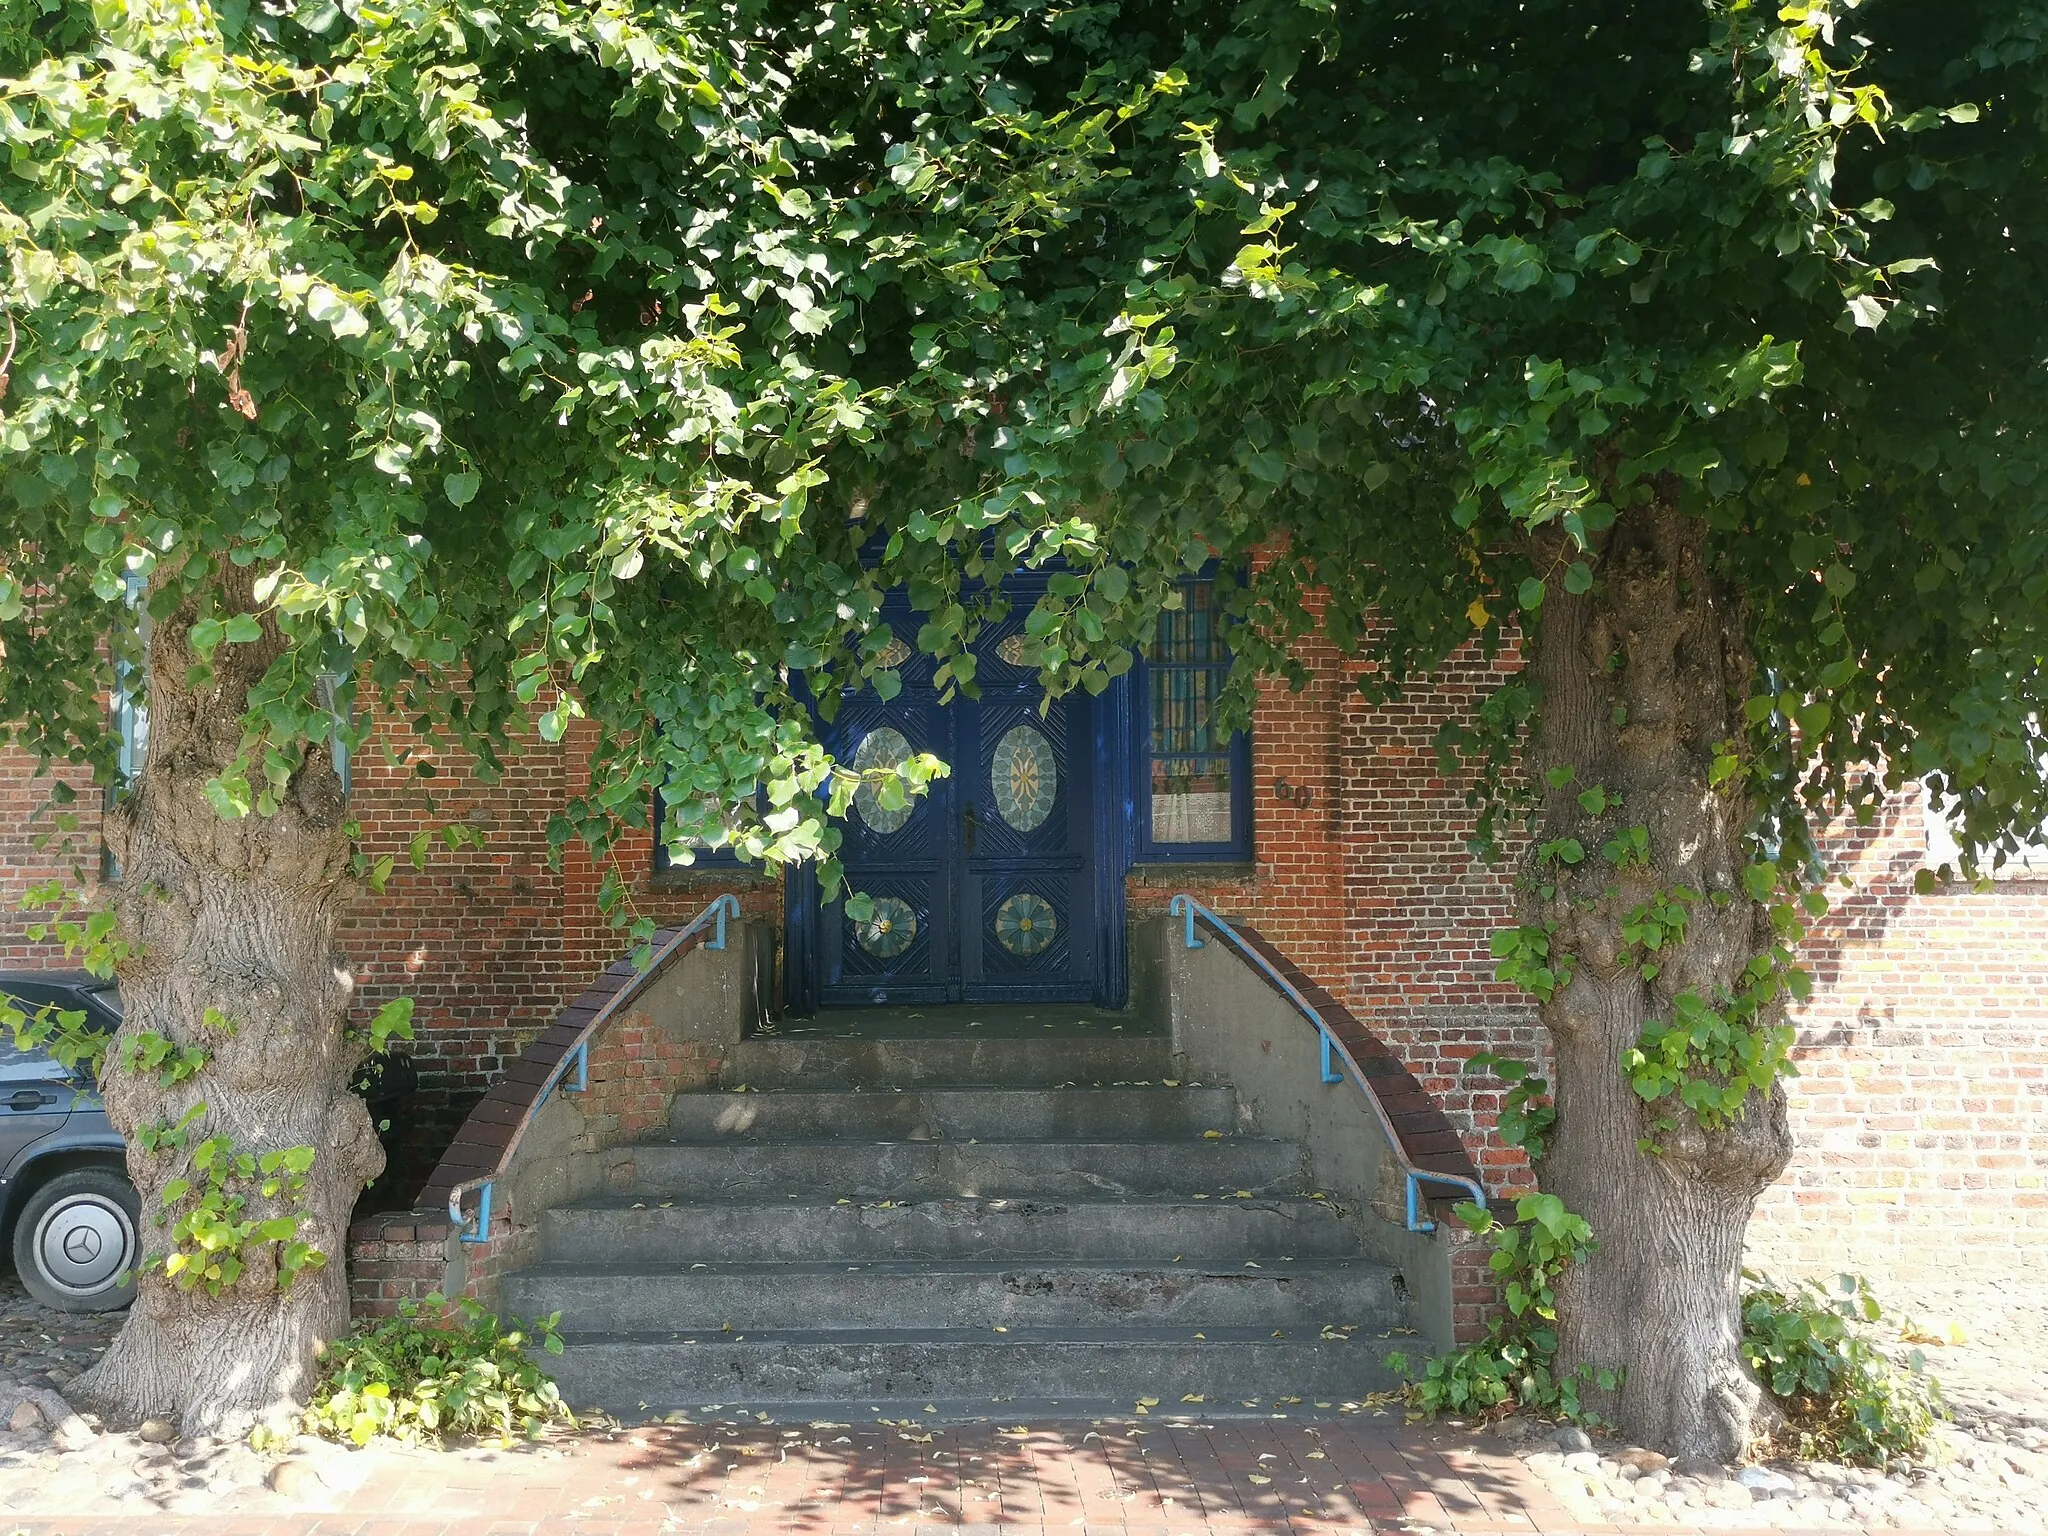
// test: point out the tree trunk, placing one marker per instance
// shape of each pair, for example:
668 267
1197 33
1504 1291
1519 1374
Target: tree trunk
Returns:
232 927
1642 679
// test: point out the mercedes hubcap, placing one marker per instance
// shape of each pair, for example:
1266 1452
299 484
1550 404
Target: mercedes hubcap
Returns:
84 1243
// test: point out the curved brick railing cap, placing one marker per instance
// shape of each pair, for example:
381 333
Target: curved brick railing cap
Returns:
483 1147
1424 1130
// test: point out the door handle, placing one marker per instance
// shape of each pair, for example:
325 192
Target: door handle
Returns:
28 1098
969 825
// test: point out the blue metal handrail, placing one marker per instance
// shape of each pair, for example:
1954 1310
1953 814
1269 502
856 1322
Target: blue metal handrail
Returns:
578 1055
1185 906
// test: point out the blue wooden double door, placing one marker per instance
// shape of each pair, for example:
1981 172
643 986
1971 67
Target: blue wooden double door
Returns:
983 889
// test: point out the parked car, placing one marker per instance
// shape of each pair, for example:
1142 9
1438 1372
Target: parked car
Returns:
67 1208
66 1205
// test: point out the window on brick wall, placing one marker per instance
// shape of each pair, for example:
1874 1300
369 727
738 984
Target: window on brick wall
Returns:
701 857
131 708
1195 800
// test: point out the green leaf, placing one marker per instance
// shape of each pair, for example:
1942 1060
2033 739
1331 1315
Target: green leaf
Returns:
461 487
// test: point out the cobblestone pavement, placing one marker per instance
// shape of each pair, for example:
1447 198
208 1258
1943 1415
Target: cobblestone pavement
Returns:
1150 1476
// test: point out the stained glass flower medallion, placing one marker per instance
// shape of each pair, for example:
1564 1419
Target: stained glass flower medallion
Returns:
1024 778
1025 924
889 929
884 747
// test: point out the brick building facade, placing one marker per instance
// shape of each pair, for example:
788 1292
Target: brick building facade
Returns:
1921 1109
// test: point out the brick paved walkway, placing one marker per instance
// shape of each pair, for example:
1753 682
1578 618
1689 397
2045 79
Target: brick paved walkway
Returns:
1131 1479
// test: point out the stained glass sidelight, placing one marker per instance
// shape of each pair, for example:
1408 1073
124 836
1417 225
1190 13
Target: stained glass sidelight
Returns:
889 929
881 748
1190 757
1024 777
1025 924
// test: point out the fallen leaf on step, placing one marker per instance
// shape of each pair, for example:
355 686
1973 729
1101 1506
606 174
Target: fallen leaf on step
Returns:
1194 1397
1211 1135
1255 1478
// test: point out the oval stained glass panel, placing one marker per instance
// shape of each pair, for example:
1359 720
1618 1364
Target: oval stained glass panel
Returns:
881 748
1010 651
1024 778
1025 924
889 928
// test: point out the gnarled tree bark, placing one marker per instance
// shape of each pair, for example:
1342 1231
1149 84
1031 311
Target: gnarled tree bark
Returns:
235 916
1642 679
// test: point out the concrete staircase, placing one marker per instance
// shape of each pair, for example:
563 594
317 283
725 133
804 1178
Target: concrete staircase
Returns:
989 1226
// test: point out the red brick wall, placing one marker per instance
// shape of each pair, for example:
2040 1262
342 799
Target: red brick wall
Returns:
1369 885
34 848
1922 1111
491 942
1921 1106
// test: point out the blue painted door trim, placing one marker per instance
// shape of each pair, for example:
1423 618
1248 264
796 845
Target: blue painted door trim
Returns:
1098 811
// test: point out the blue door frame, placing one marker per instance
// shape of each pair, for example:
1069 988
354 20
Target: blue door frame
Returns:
954 946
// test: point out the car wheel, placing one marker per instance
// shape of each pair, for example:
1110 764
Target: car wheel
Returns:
75 1246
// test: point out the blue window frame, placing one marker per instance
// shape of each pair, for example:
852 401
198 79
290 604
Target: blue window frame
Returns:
1194 797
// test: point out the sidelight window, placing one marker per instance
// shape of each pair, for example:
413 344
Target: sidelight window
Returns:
1196 783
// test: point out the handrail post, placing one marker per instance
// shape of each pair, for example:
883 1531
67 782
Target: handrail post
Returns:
1185 906
1414 1223
483 1213
725 903
1330 1072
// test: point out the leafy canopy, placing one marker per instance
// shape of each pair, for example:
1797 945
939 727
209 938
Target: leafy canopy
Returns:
552 358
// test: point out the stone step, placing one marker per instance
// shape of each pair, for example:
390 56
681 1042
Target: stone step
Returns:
995 1062
693 1302
635 1375
905 1169
957 1114
619 1230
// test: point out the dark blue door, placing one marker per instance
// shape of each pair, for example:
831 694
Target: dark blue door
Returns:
982 890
